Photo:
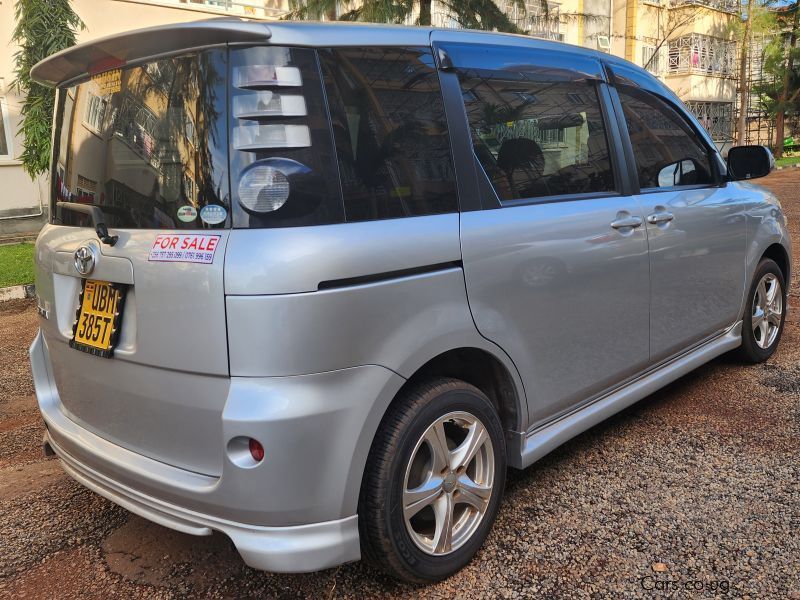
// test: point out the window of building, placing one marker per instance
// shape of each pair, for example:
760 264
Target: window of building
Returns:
5 131
95 111
390 132
651 59
667 150
136 123
536 138
715 117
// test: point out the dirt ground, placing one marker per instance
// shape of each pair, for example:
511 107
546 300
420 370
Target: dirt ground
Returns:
693 492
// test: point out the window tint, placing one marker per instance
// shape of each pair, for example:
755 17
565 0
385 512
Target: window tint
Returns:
121 145
390 132
536 137
668 152
283 168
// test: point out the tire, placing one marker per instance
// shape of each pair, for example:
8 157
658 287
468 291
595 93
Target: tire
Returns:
403 457
757 346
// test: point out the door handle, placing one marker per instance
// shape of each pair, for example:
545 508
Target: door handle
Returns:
630 221
660 217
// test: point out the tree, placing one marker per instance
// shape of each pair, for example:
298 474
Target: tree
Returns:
676 21
42 28
757 21
744 88
788 73
472 14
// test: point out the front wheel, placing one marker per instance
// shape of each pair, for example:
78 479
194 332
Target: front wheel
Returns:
433 482
765 313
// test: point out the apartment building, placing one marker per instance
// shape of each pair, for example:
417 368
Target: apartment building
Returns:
687 43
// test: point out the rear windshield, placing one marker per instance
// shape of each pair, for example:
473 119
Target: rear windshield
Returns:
147 145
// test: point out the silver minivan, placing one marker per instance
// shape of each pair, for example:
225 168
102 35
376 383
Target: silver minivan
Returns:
317 286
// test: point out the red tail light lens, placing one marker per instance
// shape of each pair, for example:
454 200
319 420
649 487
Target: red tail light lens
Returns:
256 450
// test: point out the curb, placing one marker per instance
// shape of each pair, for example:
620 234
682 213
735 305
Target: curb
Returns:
794 166
17 292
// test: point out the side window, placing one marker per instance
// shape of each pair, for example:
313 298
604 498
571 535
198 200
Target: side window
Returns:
668 152
390 133
536 137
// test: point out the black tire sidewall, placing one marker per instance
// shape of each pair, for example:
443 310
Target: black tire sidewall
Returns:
750 349
424 566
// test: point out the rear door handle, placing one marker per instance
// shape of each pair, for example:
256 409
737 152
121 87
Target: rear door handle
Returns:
660 217
631 221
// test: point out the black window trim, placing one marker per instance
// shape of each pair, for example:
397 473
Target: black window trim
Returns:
482 195
633 179
460 189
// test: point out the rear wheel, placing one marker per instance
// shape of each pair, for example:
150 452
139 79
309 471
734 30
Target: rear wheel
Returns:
765 313
433 482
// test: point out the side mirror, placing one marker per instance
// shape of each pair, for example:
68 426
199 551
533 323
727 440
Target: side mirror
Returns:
749 162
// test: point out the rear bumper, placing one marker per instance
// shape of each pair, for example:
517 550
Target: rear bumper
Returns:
295 511
280 549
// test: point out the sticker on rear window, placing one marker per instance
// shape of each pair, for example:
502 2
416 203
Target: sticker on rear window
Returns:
213 214
184 247
187 213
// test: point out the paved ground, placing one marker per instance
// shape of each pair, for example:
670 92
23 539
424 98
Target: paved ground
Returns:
698 486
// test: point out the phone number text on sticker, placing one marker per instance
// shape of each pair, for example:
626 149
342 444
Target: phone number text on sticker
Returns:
184 247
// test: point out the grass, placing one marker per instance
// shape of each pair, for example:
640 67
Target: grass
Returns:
788 160
16 264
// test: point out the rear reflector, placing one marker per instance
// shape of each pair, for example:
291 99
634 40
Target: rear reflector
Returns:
256 450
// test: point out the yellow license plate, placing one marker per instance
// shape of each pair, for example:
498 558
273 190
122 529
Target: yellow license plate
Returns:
97 329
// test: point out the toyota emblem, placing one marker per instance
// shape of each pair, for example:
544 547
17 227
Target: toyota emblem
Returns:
84 260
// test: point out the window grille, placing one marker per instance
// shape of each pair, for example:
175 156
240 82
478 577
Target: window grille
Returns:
651 59
723 5
702 54
716 117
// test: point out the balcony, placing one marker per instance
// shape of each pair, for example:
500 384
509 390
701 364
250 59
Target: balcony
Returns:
263 9
731 6
700 54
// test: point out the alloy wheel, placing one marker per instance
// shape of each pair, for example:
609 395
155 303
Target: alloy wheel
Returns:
448 483
767 311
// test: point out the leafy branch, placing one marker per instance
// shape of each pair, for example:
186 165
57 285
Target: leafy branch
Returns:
43 27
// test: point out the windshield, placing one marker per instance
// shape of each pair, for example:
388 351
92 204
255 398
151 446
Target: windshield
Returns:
146 144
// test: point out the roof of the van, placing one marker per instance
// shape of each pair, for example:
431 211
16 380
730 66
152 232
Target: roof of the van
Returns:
119 49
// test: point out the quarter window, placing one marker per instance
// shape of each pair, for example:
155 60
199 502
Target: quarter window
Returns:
537 138
668 152
390 132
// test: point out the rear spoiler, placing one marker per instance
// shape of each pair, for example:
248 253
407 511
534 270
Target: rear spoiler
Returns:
117 50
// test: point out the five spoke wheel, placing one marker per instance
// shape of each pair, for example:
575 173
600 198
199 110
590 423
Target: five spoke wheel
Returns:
767 311
448 483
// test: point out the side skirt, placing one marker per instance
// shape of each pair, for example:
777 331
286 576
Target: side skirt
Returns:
543 440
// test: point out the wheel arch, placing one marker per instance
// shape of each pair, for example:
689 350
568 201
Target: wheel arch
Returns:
486 372
488 369
778 253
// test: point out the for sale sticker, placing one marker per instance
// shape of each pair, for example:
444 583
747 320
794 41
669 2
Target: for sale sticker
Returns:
184 247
